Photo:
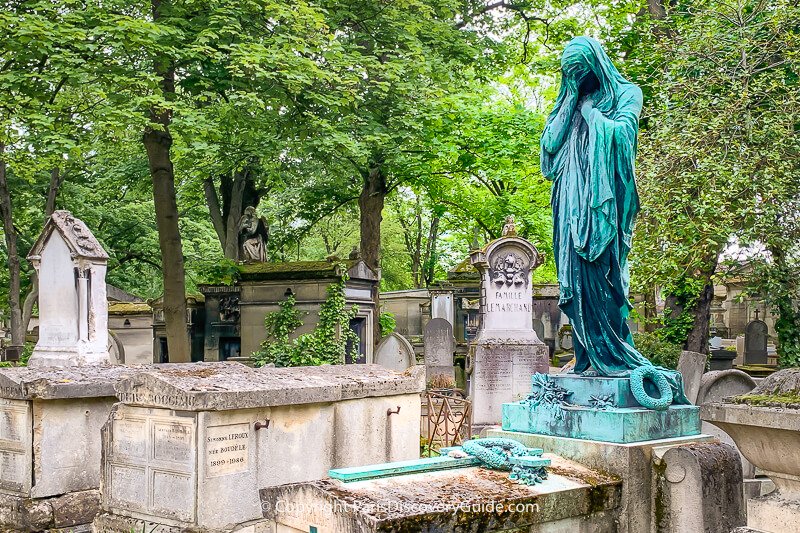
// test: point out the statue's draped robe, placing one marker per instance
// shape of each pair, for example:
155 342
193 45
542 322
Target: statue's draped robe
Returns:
594 200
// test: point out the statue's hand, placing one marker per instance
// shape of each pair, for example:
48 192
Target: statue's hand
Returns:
586 107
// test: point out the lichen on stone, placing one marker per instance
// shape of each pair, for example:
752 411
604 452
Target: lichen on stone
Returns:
781 389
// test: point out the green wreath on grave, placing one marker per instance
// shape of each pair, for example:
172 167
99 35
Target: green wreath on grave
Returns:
495 453
658 379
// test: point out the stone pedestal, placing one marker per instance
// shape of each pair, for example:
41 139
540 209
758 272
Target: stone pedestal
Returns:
597 408
633 463
50 422
502 370
190 445
507 350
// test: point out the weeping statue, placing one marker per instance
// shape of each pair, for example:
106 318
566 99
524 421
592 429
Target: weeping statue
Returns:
588 149
253 237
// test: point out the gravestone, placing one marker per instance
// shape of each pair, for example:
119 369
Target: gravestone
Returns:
191 444
691 365
442 305
508 351
755 343
73 310
395 352
439 345
717 385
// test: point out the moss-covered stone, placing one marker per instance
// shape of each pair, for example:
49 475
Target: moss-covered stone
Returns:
781 389
294 270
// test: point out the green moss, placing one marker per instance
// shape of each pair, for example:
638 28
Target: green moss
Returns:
768 400
293 270
126 308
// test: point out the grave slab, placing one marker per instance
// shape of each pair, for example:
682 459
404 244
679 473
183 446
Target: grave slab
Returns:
191 444
573 498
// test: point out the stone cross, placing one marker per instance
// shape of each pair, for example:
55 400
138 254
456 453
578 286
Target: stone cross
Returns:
73 310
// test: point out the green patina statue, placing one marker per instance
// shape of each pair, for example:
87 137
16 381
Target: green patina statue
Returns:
588 149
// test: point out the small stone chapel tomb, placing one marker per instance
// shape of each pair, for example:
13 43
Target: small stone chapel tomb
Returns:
73 311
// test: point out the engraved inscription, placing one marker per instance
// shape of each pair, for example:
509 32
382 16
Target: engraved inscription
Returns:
130 437
129 486
173 494
227 449
172 442
13 421
12 469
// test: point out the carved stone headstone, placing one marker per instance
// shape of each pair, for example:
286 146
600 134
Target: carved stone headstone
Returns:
440 345
395 352
692 365
755 343
717 385
73 310
508 351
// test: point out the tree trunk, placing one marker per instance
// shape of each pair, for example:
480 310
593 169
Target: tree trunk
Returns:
17 329
370 205
697 340
157 142
429 266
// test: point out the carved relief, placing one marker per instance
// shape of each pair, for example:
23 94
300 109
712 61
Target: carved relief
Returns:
229 309
509 269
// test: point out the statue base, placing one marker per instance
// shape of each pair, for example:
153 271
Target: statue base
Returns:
596 408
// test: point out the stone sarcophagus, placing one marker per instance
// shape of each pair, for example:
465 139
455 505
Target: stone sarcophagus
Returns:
190 445
50 422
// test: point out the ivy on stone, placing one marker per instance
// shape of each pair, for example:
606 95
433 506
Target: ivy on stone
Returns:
330 343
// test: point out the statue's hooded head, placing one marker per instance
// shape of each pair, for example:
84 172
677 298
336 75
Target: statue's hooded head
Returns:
585 60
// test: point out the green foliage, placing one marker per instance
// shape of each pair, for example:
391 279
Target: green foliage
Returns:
222 272
676 327
388 323
327 344
719 135
660 352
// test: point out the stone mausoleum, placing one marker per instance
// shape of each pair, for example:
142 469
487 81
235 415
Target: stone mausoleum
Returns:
233 315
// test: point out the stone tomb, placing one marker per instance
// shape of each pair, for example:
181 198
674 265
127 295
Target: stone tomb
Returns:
507 349
190 445
50 422
572 499
73 311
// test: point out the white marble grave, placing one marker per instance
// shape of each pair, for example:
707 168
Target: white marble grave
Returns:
73 310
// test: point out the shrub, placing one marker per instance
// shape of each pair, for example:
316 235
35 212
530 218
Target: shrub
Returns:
660 352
